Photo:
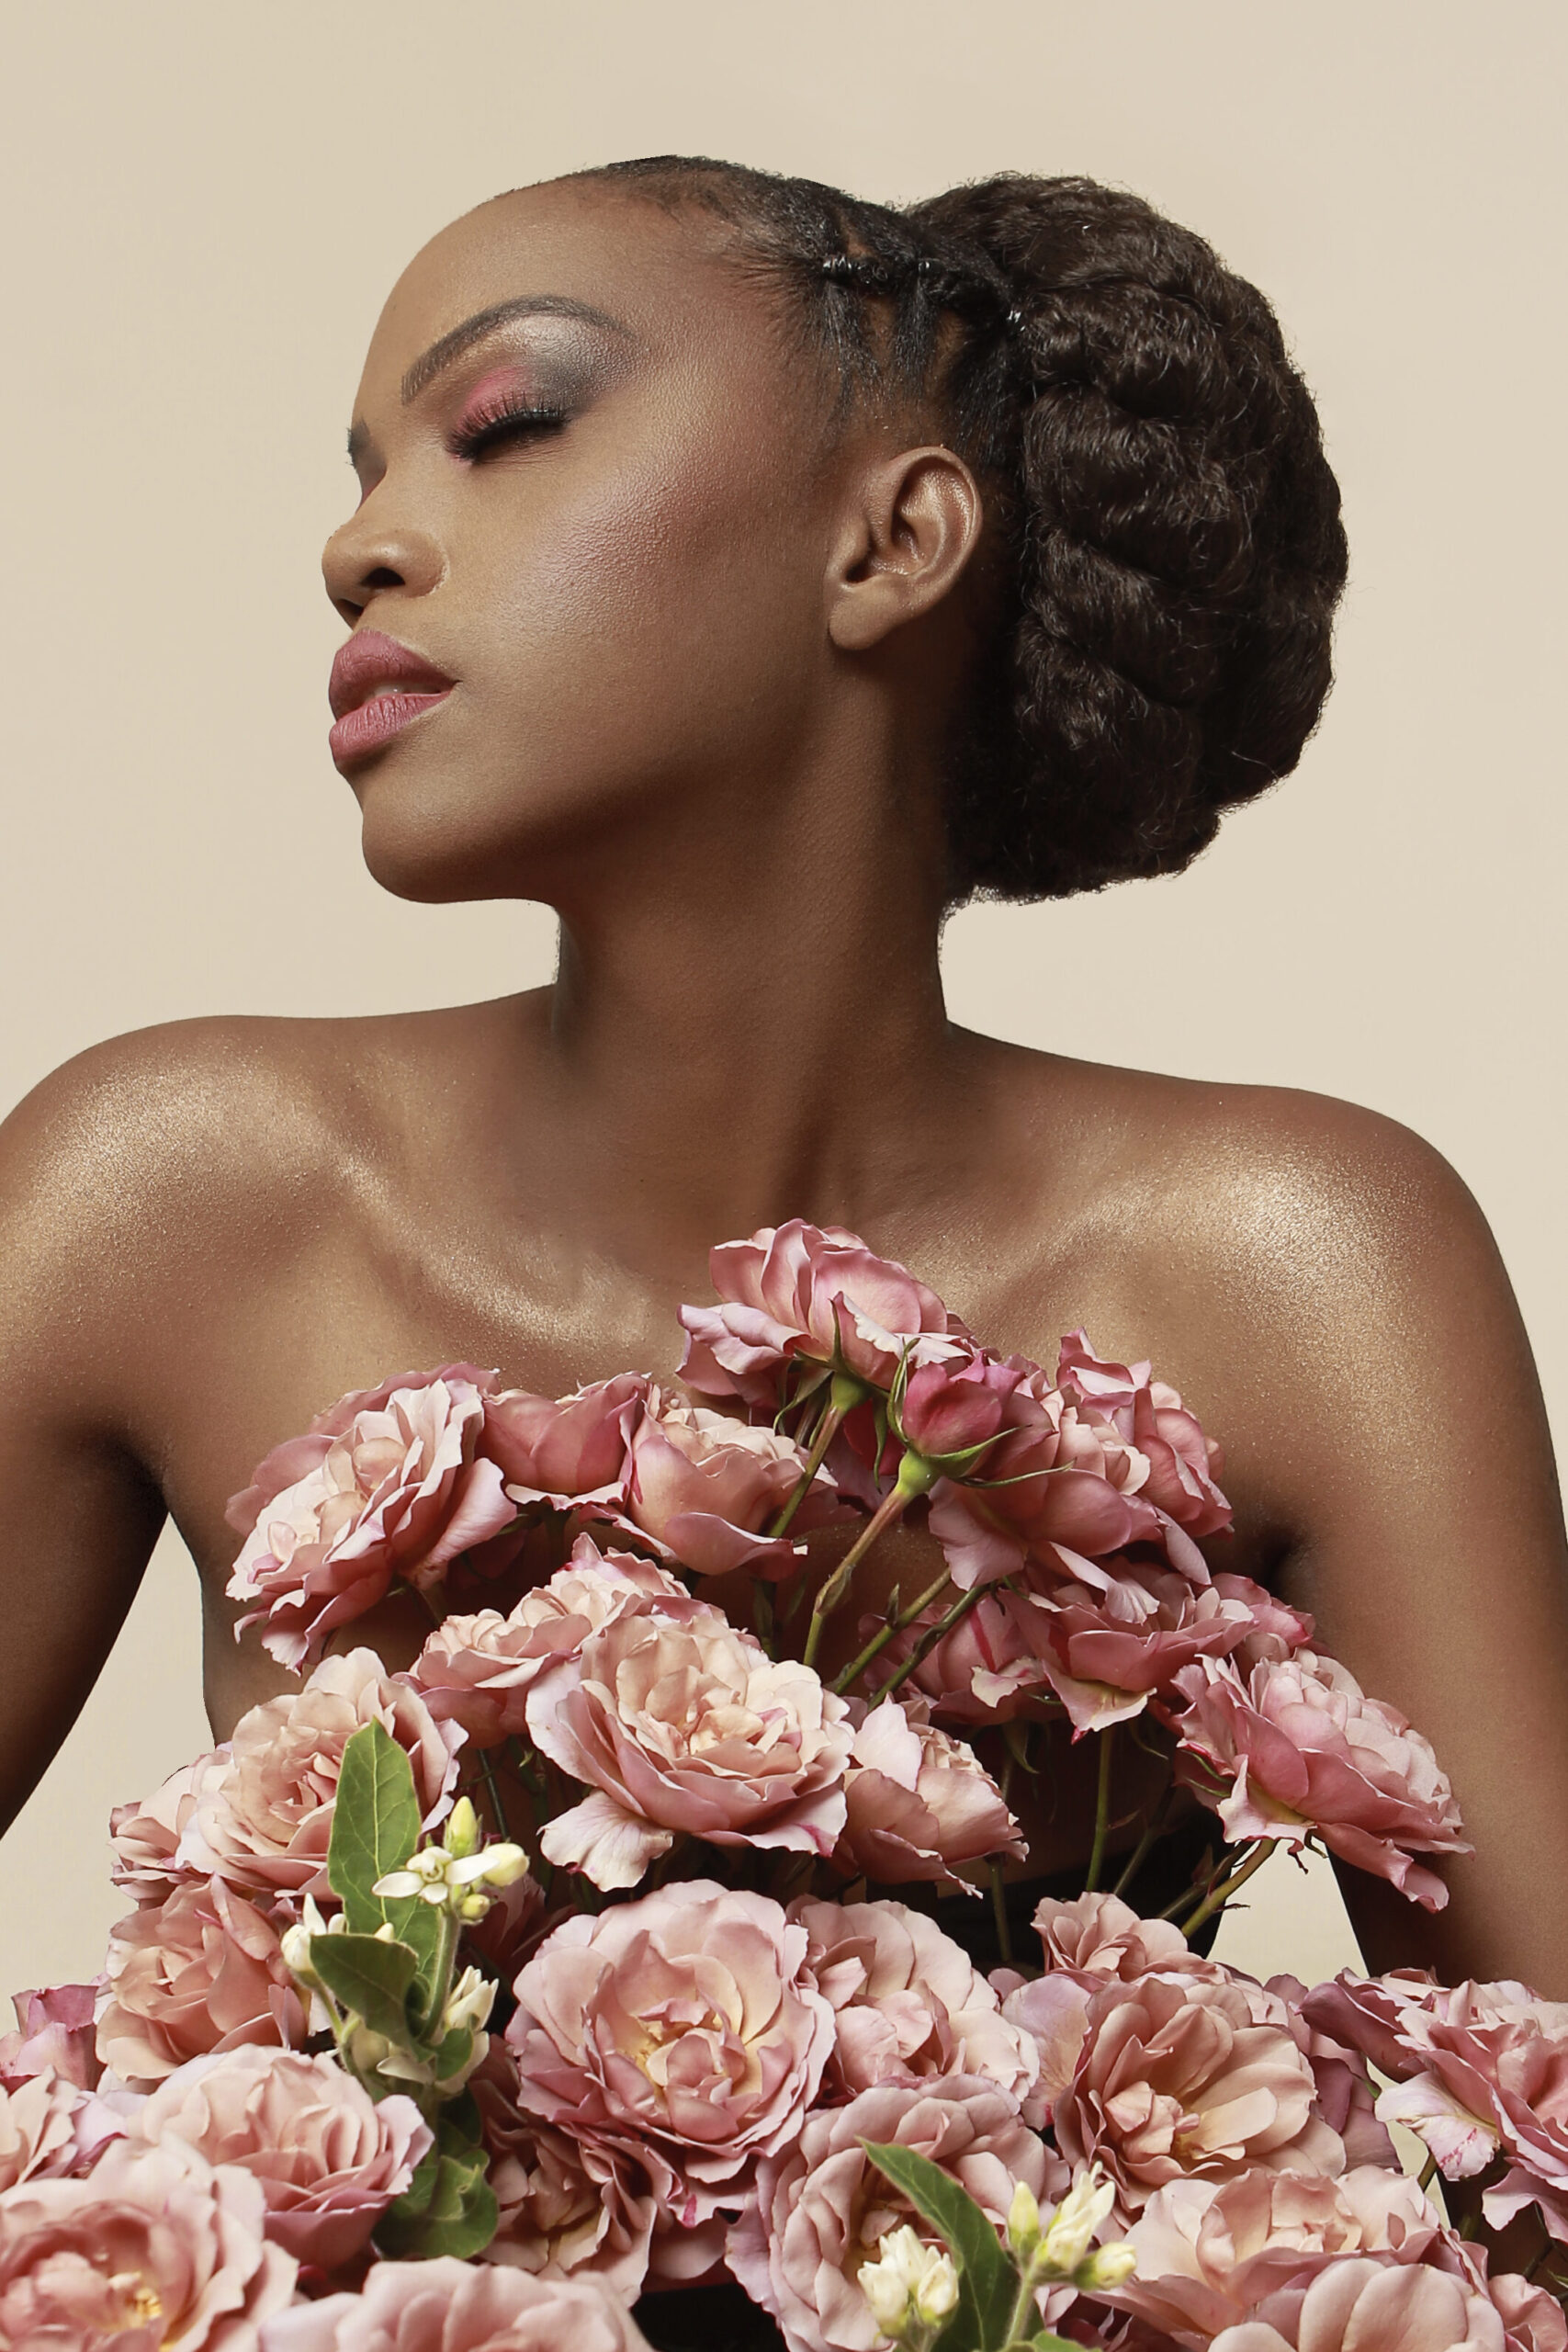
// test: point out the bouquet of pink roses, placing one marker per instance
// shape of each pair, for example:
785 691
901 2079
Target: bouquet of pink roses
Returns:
461 2006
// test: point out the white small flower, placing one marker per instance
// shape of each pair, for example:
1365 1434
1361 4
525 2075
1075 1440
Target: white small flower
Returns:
453 1881
1106 2268
469 2003
911 2287
1068 2234
1023 2223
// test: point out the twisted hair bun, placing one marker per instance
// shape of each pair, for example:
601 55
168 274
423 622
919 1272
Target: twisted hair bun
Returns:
1153 467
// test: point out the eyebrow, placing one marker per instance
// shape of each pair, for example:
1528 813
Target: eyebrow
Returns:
451 346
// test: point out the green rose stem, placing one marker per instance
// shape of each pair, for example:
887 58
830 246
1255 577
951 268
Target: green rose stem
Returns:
915 1476
1150 1837
1101 1809
929 1639
1218 1897
843 1395
884 1634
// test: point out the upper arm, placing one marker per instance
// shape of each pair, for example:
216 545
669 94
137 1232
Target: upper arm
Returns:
1399 1426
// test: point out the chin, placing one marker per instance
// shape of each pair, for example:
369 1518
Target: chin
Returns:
433 864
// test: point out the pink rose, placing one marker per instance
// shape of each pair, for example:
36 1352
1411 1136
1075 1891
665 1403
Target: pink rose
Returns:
568 2207
1347 2097
1180 2076
329 2160
153 2247
682 1724
565 1451
821 2205
260 1813
990 1639
1097 1935
201 1971
146 1833
956 1406
1209 2251
389 1483
1149 1415
909 2002
451 2306
1104 1650
706 1490
685 2029
477 1671
1298 1748
1359 2304
55 2035
814 1294
920 1804
37 2127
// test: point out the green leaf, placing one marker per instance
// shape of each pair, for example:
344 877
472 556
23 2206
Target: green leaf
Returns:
375 1828
987 2283
455 2213
371 1978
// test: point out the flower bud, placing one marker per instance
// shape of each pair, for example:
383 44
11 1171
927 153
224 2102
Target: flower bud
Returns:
911 2288
367 2050
470 2002
1069 2234
1107 2268
461 1836
1023 2222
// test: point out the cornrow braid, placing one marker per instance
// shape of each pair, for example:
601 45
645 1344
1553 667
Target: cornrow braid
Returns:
1154 473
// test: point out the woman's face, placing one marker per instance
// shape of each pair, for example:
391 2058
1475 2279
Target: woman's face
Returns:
597 497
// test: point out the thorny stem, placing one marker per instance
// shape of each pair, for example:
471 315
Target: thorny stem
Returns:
889 1512
884 1634
1101 1809
928 1642
1218 1897
838 1405
1146 1843
492 1790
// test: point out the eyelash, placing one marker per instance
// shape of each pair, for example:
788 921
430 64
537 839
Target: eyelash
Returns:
492 428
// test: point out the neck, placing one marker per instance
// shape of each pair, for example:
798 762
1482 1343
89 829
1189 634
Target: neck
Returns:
749 1025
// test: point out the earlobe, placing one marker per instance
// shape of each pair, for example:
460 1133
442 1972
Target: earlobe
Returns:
906 543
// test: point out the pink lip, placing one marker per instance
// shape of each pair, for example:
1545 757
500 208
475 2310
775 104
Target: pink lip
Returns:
377 688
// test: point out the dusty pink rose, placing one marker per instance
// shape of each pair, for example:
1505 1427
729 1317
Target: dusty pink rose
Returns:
909 2002
152 2249
203 1970
682 1724
706 1490
1105 1649
990 1639
1361 2304
330 2161
477 1671
37 2127
957 1405
685 2029
1097 1935
566 1451
1478 2070
1297 1749
1209 2251
390 1482
146 1833
260 1814
54 2035
810 1293
1149 1415
1347 2096
1180 2076
920 1804
568 2207
821 2205
451 2306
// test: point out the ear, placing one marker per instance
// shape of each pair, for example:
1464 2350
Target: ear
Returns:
914 524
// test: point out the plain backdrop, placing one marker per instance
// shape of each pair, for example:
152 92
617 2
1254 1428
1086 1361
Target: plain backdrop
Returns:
203 208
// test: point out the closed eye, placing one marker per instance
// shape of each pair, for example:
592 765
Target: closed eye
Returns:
485 430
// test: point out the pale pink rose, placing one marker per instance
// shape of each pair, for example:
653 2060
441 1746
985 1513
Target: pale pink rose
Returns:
1105 1650
1277 1631
1297 1749
1368 2012
990 1639
1533 2319
55 2035
920 1804
1347 2096
813 1295
203 1970
1147 1414
685 2029
909 2002
146 1833
1209 2251
821 2205
451 2306
330 2161
37 2127
153 2247
261 1812
704 1489
568 2207
1361 2304
1097 1935
1179 2075
1052 2012
389 1483
566 1451
681 1725
477 1671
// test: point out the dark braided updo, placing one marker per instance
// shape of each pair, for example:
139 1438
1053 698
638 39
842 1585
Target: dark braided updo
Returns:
1154 467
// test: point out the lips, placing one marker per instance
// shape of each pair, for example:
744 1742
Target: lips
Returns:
377 688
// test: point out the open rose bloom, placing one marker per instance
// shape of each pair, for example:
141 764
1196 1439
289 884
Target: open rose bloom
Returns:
470 2004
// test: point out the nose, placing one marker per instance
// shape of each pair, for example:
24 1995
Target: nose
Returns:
375 552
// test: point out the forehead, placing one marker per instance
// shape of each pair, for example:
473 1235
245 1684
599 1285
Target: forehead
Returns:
670 278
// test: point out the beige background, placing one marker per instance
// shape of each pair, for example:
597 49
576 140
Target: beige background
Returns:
203 207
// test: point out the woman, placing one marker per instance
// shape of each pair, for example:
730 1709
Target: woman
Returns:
752 575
